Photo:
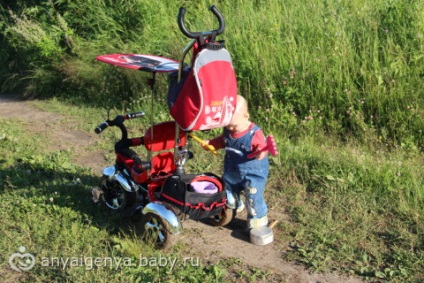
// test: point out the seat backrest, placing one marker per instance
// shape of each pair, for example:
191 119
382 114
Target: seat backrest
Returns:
162 166
206 94
161 136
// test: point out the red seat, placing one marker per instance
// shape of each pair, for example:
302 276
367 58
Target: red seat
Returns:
161 136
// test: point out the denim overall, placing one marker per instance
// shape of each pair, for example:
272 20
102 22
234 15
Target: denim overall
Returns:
242 174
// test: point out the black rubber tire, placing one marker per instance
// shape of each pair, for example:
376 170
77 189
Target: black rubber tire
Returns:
224 218
115 197
155 231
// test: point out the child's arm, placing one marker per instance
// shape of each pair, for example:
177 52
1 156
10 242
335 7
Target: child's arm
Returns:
217 142
259 142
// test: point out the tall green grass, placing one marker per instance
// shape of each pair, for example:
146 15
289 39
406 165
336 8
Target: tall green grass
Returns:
356 66
353 65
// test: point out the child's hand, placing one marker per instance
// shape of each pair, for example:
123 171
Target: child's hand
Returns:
205 144
261 155
208 146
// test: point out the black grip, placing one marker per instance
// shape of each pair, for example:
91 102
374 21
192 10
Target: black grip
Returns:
181 25
101 127
136 115
191 34
140 166
220 18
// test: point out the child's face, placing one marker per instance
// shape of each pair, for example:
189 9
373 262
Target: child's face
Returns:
239 122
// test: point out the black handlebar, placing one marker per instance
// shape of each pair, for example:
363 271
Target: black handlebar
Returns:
194 35
136 115
101 127
119 120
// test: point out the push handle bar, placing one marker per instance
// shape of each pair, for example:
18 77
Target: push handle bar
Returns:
194 35
119 119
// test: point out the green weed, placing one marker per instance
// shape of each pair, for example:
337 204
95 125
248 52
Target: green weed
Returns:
46 208
338 84
346 68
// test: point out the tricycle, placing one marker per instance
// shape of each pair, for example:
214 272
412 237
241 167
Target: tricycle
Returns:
201 96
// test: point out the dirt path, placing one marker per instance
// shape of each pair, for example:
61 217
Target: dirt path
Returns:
198 239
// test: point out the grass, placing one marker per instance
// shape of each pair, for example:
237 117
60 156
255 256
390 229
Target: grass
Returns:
352 208
46 208
338 83
357 66
358 209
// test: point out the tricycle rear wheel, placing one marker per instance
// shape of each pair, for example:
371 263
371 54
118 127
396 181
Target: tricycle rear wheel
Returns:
224 218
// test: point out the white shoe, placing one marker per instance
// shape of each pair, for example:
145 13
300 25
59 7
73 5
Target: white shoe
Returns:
240 206
257 222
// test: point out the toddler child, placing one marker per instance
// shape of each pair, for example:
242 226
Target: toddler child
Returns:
241 174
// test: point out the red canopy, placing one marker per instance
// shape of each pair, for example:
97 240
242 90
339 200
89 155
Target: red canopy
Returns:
142 62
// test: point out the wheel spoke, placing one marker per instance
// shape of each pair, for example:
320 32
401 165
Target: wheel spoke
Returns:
161 237
155 231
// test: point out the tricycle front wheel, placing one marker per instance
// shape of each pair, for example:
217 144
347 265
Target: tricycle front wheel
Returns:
115 196
155 231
